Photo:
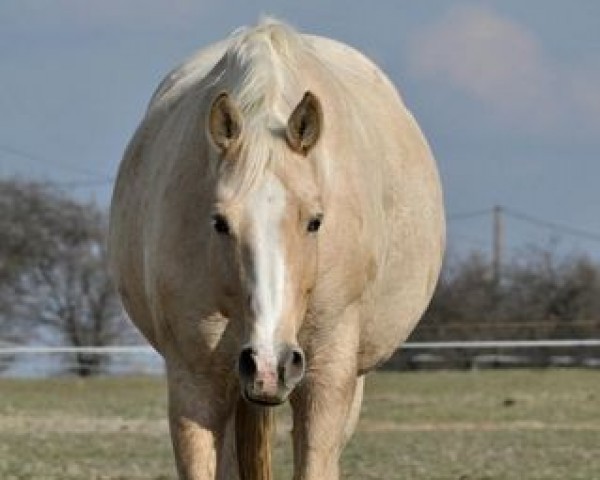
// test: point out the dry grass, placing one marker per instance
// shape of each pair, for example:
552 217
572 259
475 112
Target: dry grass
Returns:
419 426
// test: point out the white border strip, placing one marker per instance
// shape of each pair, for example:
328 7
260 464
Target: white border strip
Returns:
483 344
132 349
595 342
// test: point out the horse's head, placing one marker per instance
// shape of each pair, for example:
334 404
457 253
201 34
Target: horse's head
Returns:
266 217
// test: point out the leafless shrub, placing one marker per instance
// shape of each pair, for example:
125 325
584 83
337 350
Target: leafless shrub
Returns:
54 282
540 295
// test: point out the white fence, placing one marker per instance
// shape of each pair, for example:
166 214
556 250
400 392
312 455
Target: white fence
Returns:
28 361
42 361
499 353
495 344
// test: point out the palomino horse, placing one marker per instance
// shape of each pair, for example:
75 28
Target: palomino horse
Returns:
276 232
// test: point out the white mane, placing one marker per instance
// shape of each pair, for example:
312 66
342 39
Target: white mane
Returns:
261 71
260 66
266 69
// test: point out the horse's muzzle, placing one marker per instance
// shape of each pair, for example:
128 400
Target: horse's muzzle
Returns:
269 379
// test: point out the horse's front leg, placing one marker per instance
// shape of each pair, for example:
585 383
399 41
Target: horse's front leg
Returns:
325 404
198 415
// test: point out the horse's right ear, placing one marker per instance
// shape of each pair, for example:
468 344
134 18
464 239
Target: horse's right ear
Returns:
224 122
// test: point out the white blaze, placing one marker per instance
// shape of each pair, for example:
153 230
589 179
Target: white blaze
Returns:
265 209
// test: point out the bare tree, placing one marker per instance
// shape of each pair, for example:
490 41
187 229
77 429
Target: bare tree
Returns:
562 294
466 301
54 279
541 295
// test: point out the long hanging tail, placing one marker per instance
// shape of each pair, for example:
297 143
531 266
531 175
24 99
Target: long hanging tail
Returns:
253 426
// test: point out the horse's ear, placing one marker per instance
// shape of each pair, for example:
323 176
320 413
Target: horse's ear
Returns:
224 122
305 124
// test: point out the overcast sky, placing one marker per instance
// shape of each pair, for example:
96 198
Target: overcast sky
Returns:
507 92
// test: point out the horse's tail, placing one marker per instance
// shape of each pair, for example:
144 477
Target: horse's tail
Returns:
253 426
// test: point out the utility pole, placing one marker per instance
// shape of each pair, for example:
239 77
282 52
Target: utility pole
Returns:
498 244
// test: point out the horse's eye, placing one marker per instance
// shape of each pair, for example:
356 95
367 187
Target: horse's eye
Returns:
315 223
220 224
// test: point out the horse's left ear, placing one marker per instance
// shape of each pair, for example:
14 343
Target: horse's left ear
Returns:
224 122
305 124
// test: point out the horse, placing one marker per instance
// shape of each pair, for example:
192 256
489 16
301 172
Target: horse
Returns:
276 232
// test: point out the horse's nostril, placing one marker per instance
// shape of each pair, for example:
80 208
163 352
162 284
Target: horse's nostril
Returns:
297 358
246 363
293 369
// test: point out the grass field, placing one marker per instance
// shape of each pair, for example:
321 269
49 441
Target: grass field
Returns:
513 425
